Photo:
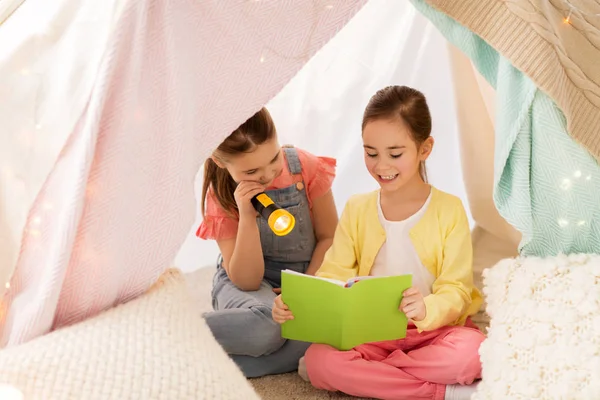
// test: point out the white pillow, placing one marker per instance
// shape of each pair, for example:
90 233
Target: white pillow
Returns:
154 347
543 341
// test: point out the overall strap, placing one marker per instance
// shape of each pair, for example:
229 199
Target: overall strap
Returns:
293 161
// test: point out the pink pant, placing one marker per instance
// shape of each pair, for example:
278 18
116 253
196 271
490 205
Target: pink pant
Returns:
416 367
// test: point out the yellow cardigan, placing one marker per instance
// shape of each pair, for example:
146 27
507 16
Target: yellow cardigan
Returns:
442 239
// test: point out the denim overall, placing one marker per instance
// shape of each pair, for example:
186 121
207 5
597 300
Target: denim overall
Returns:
242 321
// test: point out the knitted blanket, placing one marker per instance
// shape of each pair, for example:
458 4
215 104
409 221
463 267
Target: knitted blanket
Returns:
155 347
556 43
545 184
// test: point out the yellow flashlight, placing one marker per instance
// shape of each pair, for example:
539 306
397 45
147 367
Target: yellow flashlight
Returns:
279 220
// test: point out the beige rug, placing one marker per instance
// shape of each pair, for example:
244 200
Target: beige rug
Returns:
286 386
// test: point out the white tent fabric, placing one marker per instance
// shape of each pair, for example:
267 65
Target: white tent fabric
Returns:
45 87
69 272
493 238
171 81
96 183
320 110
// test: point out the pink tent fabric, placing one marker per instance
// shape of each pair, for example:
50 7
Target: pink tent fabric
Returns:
175 79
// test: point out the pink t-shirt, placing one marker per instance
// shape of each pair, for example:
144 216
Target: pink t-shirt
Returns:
317 174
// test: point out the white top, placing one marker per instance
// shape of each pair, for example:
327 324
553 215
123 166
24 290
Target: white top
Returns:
398 256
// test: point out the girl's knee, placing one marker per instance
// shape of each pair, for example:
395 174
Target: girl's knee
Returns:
268 343
471 340
323 362
467 342
463 338
268 338
316 352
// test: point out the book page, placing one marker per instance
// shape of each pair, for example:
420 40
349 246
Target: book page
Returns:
334 281
352 281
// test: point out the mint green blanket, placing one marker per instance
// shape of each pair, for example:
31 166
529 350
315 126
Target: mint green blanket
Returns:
545 184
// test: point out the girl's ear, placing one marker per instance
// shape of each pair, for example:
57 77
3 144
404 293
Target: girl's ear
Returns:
219 163
426 148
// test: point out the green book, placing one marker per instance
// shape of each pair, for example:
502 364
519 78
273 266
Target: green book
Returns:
344 314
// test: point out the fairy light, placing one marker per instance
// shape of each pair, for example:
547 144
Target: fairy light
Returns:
262 59
563 223
90 190
567 20
565 184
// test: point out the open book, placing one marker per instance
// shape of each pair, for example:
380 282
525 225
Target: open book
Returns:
344 314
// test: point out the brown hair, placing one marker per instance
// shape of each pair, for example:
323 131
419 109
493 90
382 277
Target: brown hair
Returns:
404 103
255 131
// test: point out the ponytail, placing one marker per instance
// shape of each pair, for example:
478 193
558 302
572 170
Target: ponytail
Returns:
223 187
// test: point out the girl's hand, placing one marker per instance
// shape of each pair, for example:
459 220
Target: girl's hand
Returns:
244 192
281 312
412 304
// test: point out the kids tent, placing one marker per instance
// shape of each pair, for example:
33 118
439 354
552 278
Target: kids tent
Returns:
101 146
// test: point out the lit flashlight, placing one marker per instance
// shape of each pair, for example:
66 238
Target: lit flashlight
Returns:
279 220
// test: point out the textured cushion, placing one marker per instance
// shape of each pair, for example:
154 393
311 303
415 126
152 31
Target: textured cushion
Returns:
543 340
154 347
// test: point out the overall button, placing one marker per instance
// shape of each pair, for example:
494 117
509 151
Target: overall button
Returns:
299 185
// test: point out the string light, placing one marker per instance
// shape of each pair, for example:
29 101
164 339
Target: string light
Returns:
34 232
567 20
90 190
262 59
577 174
566 184
563 223
7 285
